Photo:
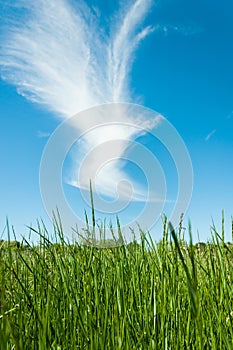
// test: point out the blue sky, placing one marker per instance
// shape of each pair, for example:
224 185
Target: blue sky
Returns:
182 69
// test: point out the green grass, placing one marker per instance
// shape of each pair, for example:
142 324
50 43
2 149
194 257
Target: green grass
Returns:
146 295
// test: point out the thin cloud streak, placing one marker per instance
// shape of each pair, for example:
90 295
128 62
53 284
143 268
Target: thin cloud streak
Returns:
184 30
57 56
210 135
43 134
121 51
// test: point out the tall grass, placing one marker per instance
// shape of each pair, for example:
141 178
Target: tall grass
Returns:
144 295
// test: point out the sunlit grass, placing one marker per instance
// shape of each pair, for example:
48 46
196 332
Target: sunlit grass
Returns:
144 295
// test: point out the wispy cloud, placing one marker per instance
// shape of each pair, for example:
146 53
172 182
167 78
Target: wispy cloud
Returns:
185 30
57 55
230 115
43 134
210 135
124 42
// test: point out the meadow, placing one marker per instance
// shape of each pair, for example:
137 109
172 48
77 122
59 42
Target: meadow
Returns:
171 294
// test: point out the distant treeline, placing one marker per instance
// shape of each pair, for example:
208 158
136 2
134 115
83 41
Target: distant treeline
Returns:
108 243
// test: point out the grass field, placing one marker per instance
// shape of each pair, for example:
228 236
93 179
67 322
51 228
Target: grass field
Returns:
144 295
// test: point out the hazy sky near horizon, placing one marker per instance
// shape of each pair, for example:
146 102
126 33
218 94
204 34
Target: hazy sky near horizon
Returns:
174 57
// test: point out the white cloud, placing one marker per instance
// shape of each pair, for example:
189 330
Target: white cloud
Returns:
109 142
58 56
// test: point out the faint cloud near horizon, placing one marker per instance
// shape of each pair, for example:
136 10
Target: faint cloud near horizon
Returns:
210 135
